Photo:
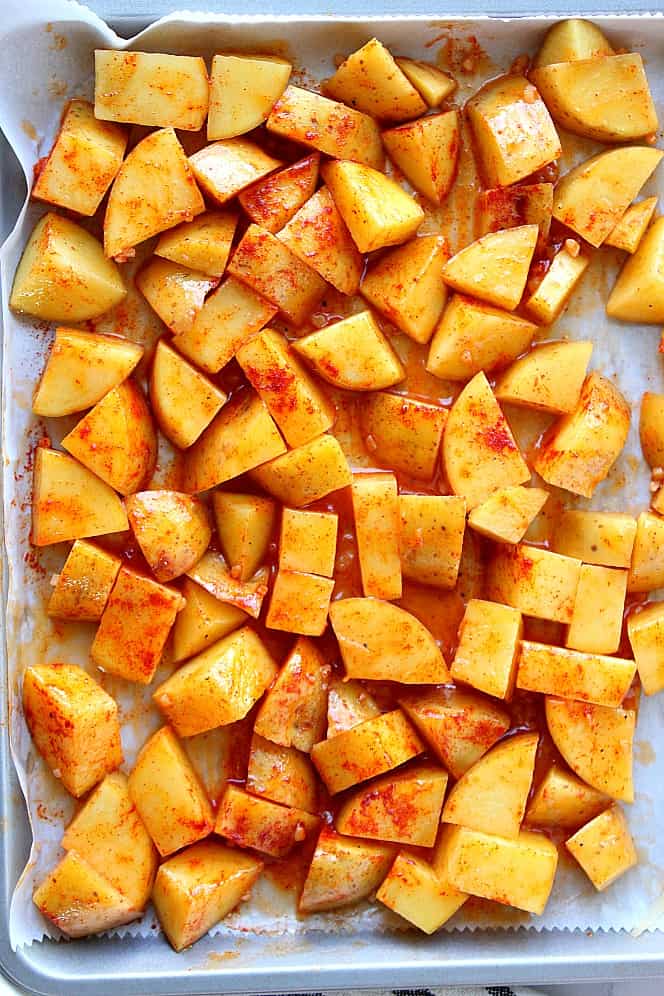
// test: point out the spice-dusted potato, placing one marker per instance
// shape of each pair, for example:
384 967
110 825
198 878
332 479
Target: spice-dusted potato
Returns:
506 514
403 433
202 621
647 566
548 301
381 641
244 526
651 428
414 890
213 573
427 152
175 292
155 189
343 871
69 502
308 541
511 207
116 439
596 742
63 275
572 674
377 211
604 848
293 711
605 538
82 164
563 800
74 724
81 368
168 794
549 378
537 582
172 378
486 657
377 526
197 888
273 201
203 244
479 452
578 451
307 473
571 40
172 529
508 154
348 705
430 82
250 821
300 603
638 293
495 267
84 583
148 88
607 99
432 531
597 623
352 353
370 80
632 226
646 636
225 168
243 91
282 774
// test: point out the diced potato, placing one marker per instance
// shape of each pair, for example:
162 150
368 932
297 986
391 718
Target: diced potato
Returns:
172 378
202 621
82 164
403 807
513 129
377 211
273 270
80 901
427 152
225 168
459 726
580 448
495 267
645 629
134 628
382 642
116 440
81 368
638 293
250 821
596 742
432 531
154 190
293 398
604 848
203 244
546 304
352 353
73 723
651 428
536 581
371 80
571 674
607 99
369 749
563 800
377 526
243 91
272 202
213 573
218 686
511 207
148 88
605 538
480 455
348 705
63 274
69 502
245 524
339 131
647 566
300 603
403 433
281 774
169 795
196 889
414 891
293 711
431 83
308 542
596 625
172 529
406 285
631 228
571 40
488 648
506 514
517 872
242 436
343 871
473 336
441 611
549 378
306 474
176 293
84 583
593 196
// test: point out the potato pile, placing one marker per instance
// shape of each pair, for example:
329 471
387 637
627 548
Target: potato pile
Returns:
397 761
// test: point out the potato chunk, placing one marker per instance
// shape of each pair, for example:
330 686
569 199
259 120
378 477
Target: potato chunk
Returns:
638 293
433 85
631 228
651 428
604 848
647 566
225 168
596 625
404 808
282 774
511 207
563 800
202 621
571 40
243 91
352 353
307 473
348 705
84 583
495 267
293 711
172 378
488 648
175 292
212 573
535 581
244 527
403 433
172 529
80 901
414 891
148 88
427 152
300 603
377 526
506 514
343 871
432 531
249 821
546 304
73 723
203 244
273 201
370 80
605 538
646 636
549 378
571 674
308 542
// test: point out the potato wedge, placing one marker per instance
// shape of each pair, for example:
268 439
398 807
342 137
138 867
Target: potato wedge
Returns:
245 524
403 433
343 871
250 821
172 378
427 152
571 40
651 428
431 538
489 641
414 891
605 538
293 711
176 293
604 848
352 353
571 674
506 514
511 207
632 226
224 168
432 84
348 705
308 541
638 293
563 800
213 573
203 244
172 529
273 201
377 527
597 623
546 304
403 808
300 603
647 566
243 91
148 88
370 80
202 621
495 267
549 378
84 583
306 474
536 581
645 629
281 774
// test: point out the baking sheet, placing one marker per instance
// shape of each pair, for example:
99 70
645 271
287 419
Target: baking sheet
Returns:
59 56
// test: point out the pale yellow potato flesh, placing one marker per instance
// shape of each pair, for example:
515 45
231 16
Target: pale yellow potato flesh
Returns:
572 674
638 293
343 871
273 201
604 538
546 304
431 538
597 622
489 640
300 603
604 848
427 151
647 565
306 474
148 88
645 630
203 244
377 525
495 267
173 378
563 800
293 711
632 226
348 705
549 378
506 514
414 891
202 621
225 168
214 574
536 581
243 91
282 774
172 529
84 583
571 40
511 207
433 85
308 541
250 821
403 433
244 526
370 80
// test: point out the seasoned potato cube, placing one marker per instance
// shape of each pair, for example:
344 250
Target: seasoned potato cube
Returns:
377 527
563 800
172 379
631 228
403 807
168 794
596 742
212 573
63 274
427 153
155 189
604 848
293 398
348 705
596 625
571 40
225 168
281 774
645 629
414 891
74 724
406 285
172 529
580 448
495 267
308 542
549 378
488 648
403 433
370 80
546 304
511 207
243 91
432 531
537 582
638 293
380 641
134 651
299 603
343 871
369 749
352 353
377 211
82 164
473 336
506 514
249 821
306 474
84 583
203 244
176 293
80 901
513 129
196 889
293 711
605 538
480 455
651 428
431 83
272 202
244 526
571 674
647 566
148 88
69 502
202 621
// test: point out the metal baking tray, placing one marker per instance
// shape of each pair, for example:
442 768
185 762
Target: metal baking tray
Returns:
292 963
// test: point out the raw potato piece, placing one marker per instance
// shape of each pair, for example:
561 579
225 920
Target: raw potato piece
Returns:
546 304
196 889
377 526
549 378
638 293
486 656
651 428
431 540
563 800
213 574
306 474
571 674
281 774
605 538
371 80
646 636
308 542
63 274
243 91
511 207
352 353
647 566
272 202
176 293
571 40
495 267
300 603
148 88
171 380
430 82
506 515
249 821
403 433
343 871
293 711
348 705
73 723
225 168
172 529
202 621
414 891
203 244
426 152
84 583
244 526
604 848
596 625
82 164
537 582
631 228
